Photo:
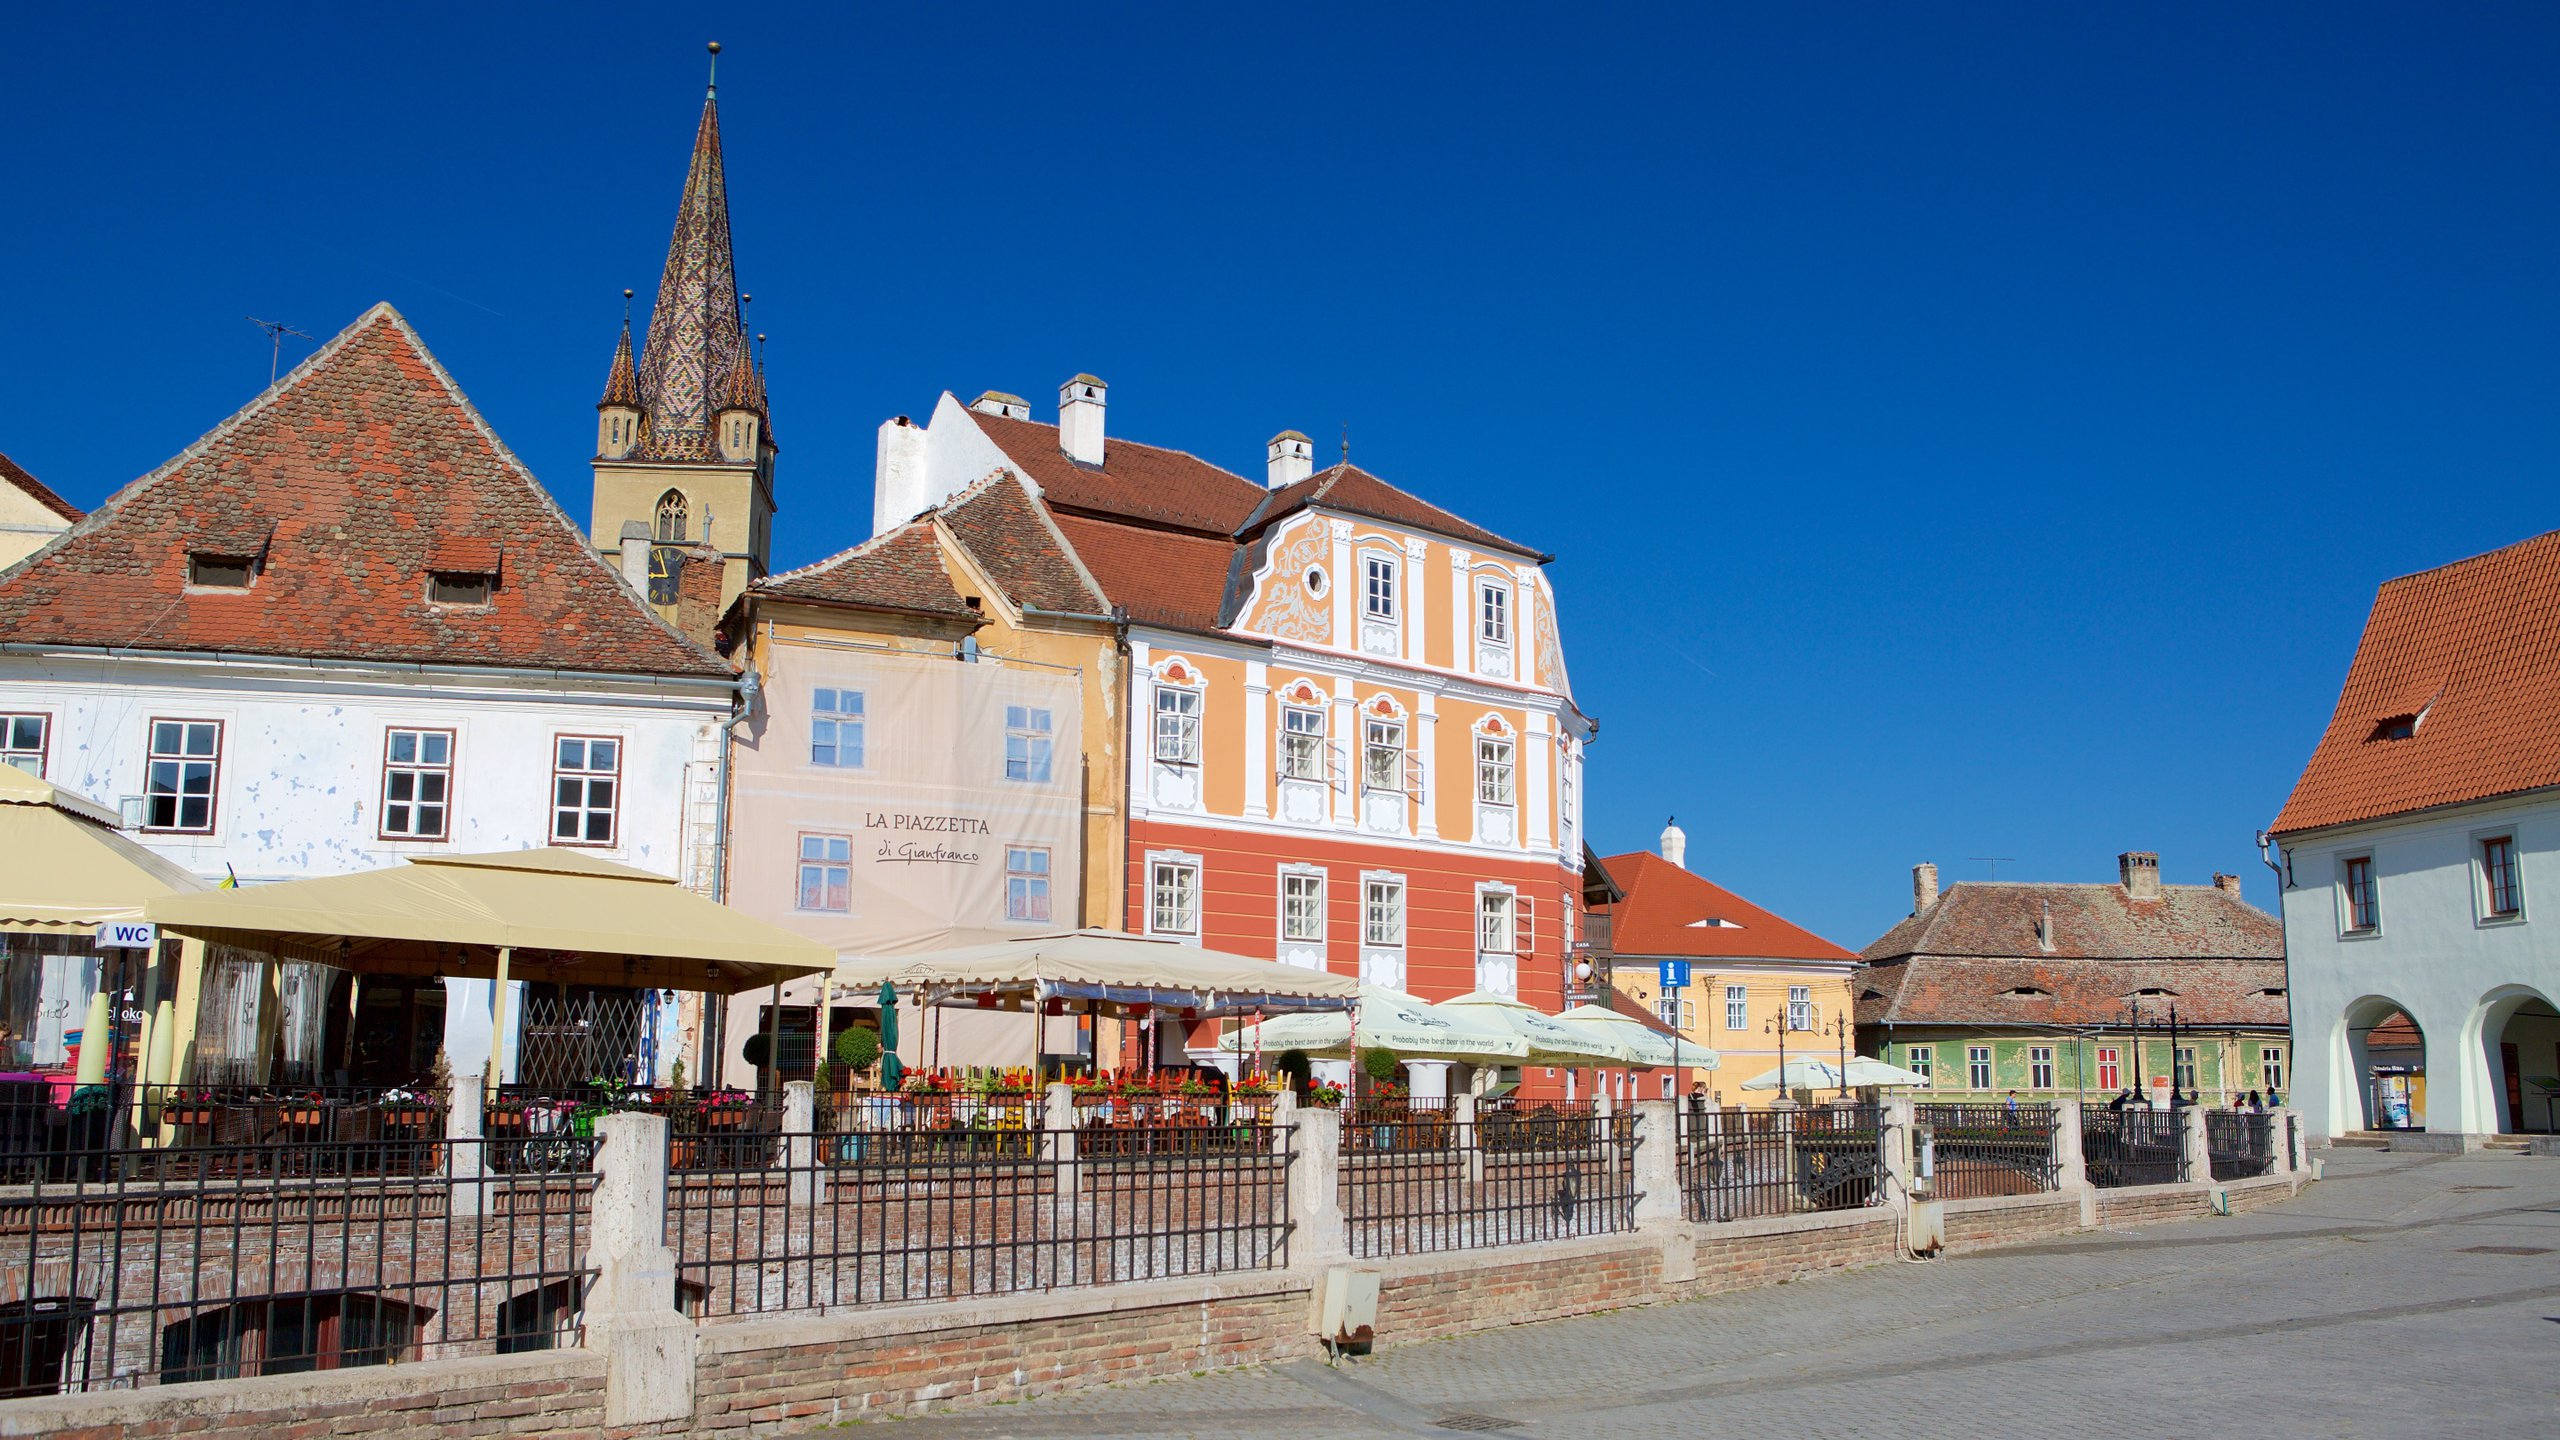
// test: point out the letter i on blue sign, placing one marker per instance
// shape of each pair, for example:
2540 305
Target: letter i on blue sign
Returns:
1675 974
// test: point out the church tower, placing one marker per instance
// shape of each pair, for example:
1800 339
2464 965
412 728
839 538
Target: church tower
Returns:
684 444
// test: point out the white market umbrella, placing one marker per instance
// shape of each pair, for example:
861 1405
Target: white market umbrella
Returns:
1412 1028
1814 1073
1646 1046
1550 1040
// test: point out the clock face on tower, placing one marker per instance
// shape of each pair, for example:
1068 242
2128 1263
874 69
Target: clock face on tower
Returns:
666 562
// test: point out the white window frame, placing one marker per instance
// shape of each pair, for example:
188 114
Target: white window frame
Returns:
586 775
836 713
2039 1067
1372 745
1978 1074
1676 1010
2347 887
1800 1007
2182 1068
834 873
1497 771
1026 890
1178 710
1302 742
1737 1007
1170 911
2484 884
422 774
1921 1060
1371 887
1497 920
2271 1067
181 763
1030 744
1310 879
1493 614
14 728
1380 574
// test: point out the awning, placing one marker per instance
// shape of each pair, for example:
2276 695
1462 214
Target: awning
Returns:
68 869
1388 1019
1651 1047
1806 1072
1105 967
1550 1040
567 916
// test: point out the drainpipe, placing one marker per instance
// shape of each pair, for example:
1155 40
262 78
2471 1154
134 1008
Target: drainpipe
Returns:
2292 1049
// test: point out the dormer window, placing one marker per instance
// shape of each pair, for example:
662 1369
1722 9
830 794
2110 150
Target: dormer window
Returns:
2396 727
2157 992
2029 992
220 572
465 588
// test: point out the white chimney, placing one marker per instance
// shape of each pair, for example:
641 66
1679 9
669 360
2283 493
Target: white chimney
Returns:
996 402
635 555
898 478
1080 419
1924 886
1293 458
1675 844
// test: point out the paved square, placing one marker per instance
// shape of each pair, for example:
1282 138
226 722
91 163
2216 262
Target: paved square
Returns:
2407 1295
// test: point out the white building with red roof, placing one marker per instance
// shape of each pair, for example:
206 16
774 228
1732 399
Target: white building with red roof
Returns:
2419 852
345 627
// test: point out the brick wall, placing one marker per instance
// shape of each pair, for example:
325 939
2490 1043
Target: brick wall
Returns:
1781 1253
2011 1220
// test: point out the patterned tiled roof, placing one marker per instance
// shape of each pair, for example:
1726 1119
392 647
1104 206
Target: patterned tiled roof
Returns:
2090 922
695 343
621 385
901 569
15 476
1007 532
1141 482
342 481
1979 991
1666 905
1354 491
2465 650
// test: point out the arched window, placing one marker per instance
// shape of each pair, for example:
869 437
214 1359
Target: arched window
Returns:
671 517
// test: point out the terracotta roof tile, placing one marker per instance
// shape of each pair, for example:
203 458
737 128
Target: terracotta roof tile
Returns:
1354 491
345 474
1664 904
1004 529
1164 577
2096 922
12 474
1974 990
901 570
2469 645
1142 482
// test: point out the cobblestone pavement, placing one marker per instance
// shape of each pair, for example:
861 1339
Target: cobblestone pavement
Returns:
2372 1305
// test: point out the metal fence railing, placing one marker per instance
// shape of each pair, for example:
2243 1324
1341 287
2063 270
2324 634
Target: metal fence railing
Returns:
57 1131
2134 1146
1418 1184
120 1269
812 1231
1970 1152
2239 1143
1738 1164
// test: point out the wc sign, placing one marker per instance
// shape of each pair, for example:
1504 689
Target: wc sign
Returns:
128 935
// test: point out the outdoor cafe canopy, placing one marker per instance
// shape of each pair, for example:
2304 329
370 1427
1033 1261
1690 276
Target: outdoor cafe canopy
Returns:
68 869
1116 972
1389 1020
1648 1047
548 914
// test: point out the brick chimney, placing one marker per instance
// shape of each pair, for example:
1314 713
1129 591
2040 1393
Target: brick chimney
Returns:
2140 871
1924 886
1080 419
2227 884
698 586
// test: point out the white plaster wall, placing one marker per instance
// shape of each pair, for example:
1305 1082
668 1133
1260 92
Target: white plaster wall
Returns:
298 792
2458 974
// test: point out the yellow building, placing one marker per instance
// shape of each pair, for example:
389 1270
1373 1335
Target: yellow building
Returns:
1757 984
30 513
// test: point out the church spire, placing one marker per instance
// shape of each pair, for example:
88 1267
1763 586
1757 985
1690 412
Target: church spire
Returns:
621 385
695 343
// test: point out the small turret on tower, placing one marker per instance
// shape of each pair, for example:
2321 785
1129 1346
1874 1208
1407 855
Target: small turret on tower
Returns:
618 413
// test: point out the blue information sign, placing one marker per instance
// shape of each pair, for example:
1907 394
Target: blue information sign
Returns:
1675 974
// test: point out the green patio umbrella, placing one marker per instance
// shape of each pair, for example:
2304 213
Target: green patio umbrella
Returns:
891 1069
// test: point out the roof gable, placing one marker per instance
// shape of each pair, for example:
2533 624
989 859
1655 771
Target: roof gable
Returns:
1667 911
1005 530
2463 655
900 570
15 476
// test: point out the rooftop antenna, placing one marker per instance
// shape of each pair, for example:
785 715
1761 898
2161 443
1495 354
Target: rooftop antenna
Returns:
1994 862
276 331
714 87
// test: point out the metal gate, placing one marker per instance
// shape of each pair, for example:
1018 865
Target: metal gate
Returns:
575 1035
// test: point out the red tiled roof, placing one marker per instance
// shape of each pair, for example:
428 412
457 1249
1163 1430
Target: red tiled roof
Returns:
2470 645
349 472
1164 577
1354 491
1004 529
1664 903
11 473
901 570
1143 482
2090 922
1982 991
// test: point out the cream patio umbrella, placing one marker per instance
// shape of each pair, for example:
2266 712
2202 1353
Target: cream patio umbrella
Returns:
1814 1073
1650 1047
1115 971
1413 1028
1550 1040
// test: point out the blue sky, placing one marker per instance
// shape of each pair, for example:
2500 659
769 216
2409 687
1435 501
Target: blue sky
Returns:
1966 430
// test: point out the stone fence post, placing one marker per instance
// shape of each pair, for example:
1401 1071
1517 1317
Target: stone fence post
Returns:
631 1307
1896 1132
1058 1142
1315 1190
2196 1152
2288 1158
2070 1160
465 1109
1284 1120
805 1177
1462 1133
1657 1163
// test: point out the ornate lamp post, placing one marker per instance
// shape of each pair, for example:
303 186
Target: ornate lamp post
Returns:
1779 1025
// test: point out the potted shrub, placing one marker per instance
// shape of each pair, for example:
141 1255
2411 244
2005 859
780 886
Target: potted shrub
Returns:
855 1051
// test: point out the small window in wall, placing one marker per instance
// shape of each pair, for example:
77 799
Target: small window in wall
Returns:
2501 889
1799 1007
1026 883
2110 1068
1920 1060
1028 740
22 741
1737 1008
2363 904
671 518
586 772
835 729
178 785
1378 592
1493 614
468 588
1494 932
1493 771
2186 1071
288 1335
1301 743
1177 726
1977 1067
220 572
1382 765
1173 897
2271 1067
1382 912
1302 907
1677 1011
2040 1067
826 873
417 784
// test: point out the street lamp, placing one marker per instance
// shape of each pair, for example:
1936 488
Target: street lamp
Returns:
1779 1025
